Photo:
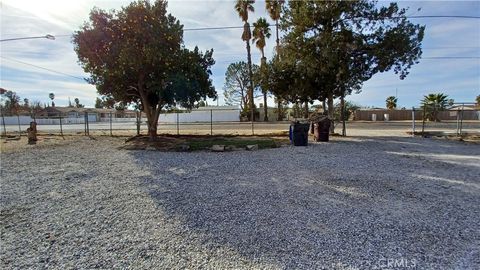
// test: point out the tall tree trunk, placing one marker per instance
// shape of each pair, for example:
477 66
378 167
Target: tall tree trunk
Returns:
250 74
265 108
342 115
331 111
152 128
324 106
278 40
279 109
306 112
279 100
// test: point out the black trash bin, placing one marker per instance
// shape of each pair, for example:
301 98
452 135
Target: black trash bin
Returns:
299 133
321 129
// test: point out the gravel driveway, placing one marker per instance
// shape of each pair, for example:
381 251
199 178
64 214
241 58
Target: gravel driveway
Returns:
353 203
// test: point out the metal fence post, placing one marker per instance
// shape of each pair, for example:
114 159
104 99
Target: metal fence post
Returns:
111 124
461 121
19 128
61 128
88 126
4 128
423 120
458 121
413 121
178 127
211 122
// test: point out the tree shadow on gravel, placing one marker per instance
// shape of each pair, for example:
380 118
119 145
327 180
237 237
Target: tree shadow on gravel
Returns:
348 204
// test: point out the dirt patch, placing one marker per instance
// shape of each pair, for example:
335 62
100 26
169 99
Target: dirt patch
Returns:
200 142
469 138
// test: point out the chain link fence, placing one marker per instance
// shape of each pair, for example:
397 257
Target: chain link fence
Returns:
181 122
457 120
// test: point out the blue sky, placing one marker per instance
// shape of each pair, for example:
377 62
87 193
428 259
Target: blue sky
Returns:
459 78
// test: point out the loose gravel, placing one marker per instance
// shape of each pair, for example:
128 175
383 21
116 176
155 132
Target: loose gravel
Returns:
353 203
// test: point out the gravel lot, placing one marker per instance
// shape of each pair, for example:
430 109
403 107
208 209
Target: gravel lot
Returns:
353 203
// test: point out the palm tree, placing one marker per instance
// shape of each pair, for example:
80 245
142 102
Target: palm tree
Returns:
52 97
432 103
391 102
243 7
274 9
261 31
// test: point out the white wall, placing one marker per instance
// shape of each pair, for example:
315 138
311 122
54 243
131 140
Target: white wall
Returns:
201 116
25 120
13 120
116 120
218 115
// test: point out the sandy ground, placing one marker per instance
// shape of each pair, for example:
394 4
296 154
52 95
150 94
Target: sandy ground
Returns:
352 203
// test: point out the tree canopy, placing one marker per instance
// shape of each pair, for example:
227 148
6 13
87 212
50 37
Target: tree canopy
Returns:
335 46
137 55
391 102
237 80
432 103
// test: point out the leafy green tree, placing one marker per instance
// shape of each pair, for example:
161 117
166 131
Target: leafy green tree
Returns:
236 87
202 103
98 103
52 97
136 55
432 104
348 107
338 45
77 103
287 81
12 101
121 106
261 32
477 100
107 102
243 7
391 102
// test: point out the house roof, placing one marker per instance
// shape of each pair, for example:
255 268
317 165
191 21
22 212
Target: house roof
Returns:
73 109
216 108
464 108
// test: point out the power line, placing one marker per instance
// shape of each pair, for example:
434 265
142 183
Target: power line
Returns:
272 25
443 16
51 70
215 28
452 57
